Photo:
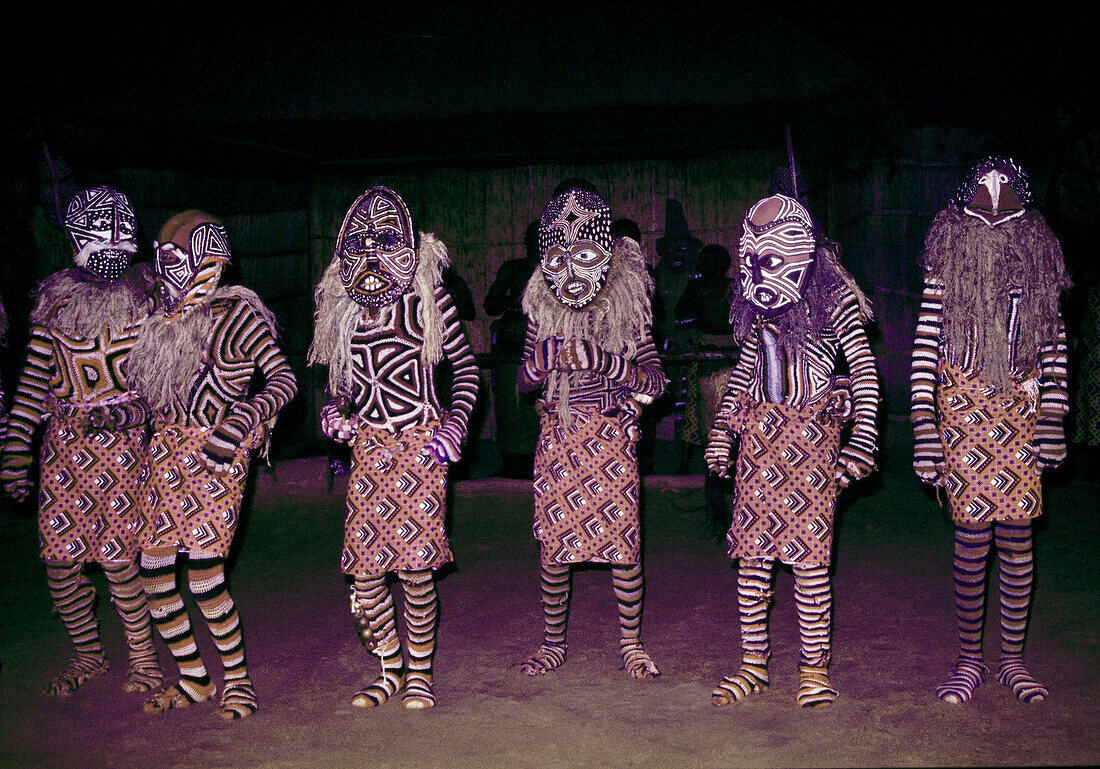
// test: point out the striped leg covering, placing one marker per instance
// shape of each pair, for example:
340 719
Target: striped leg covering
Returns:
555 581
157 571
143 673
421 618
814 601
971 555
628 583
754 595
206 579
1016 577
74 598
372 607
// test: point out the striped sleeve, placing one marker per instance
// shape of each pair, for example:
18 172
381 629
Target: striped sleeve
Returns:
1050 436
34 385
864 375
645 377
742 372
27 407
255 340
923 375
533 371
465 377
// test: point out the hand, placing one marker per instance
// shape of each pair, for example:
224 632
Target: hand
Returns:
16 475
544 359
928 458
446 443
333 422
1050 442
580 355
222 445
852 465
719 452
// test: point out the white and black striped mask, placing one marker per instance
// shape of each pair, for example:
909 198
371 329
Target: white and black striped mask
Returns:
776 254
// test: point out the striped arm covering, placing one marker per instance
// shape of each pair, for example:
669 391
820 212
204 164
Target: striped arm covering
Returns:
863 442
453 431
1050 438
27 412
598 378
928 457
241 342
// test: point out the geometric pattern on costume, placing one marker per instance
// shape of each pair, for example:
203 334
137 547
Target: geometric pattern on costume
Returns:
185 505
586 491
785 486
991 461
396 503
89 490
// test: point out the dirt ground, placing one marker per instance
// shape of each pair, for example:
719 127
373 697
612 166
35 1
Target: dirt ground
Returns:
893 640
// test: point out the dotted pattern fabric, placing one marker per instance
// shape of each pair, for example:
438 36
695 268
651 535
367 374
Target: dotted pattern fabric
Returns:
785 485
586 491
396 504
89 493
185 505
989 450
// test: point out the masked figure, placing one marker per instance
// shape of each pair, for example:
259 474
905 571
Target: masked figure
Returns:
590 352
383 324
193 362
988 399
796 311
83 328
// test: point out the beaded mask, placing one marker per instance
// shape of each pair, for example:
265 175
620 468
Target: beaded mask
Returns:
377 248
102 228
575 246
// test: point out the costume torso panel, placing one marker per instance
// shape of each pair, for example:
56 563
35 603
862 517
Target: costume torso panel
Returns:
392 386
88 370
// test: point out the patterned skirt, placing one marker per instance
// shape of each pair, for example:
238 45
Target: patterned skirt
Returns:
185 506
90 488
396 504
586 491
785 484
989 450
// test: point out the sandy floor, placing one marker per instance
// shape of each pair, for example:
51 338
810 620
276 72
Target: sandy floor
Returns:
893 643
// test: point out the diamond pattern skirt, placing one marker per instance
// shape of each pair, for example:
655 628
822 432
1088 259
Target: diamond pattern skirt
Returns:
785 485
89 492
586 491
185 506
396 504
989 450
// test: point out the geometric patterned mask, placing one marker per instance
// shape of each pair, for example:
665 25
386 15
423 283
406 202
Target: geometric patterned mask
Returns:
996 190
377 248
102 228
776 254
188 243
575 246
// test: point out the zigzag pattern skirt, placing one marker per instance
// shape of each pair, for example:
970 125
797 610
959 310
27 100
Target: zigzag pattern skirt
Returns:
396 504
586 491
185 506
89 492
989 450
785 485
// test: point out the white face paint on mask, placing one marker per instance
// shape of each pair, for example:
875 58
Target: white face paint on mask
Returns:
377 248
575 245
776 254
102 228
